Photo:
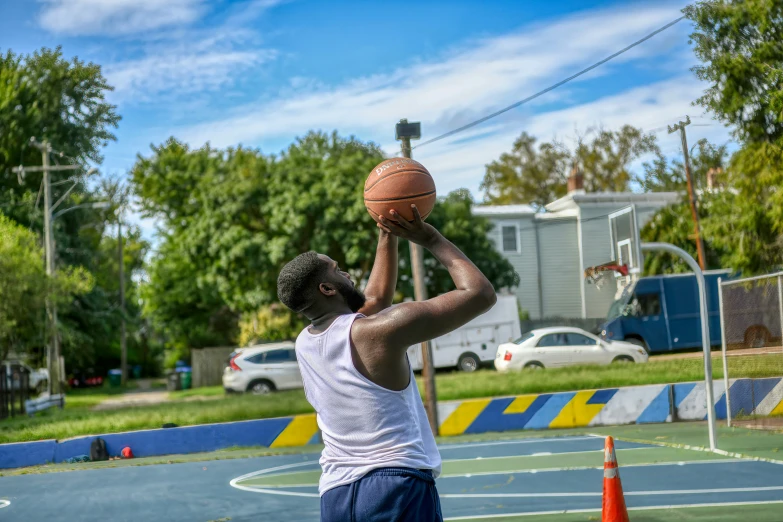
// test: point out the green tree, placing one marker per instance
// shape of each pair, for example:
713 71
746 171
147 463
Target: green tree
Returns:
674 224
662 175
527 174
539 175
738 43
51 98
233 218
62 101
24 287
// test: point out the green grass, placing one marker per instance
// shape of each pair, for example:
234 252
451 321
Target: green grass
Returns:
78 419
74 421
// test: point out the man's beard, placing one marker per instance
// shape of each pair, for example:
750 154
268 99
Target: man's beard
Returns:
354 298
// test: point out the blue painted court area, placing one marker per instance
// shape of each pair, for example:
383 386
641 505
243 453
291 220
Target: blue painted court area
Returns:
480 480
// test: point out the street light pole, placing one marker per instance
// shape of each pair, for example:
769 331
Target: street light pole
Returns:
405 132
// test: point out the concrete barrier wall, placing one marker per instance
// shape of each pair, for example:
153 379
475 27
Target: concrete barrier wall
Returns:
610 407
607 407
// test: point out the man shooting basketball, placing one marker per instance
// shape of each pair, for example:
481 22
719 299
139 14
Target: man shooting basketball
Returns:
380 460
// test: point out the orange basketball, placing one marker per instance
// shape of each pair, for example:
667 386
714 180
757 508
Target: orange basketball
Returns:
397 184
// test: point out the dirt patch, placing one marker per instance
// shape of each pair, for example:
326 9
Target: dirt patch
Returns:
761 423
149 398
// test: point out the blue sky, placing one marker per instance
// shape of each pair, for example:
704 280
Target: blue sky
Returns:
261 72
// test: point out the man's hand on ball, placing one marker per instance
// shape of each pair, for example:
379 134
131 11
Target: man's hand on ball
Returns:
416 231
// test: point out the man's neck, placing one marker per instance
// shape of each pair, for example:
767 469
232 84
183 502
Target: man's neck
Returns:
322 321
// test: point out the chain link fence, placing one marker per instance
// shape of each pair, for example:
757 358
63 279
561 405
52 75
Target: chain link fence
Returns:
752 337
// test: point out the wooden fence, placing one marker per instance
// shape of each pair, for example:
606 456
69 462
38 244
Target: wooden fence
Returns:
208 365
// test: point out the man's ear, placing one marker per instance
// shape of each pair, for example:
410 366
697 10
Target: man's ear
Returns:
327 289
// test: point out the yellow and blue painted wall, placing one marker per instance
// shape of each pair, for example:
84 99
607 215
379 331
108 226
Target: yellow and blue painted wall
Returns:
606 407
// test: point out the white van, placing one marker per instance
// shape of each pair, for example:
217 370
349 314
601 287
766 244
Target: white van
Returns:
475 343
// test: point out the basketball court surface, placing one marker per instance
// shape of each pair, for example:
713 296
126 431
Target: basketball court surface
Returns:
515 479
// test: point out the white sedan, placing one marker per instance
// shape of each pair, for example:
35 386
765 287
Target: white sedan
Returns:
262 369
564 346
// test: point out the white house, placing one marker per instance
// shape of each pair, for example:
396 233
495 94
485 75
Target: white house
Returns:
550 250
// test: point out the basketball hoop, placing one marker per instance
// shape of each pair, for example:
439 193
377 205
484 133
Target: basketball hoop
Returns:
596 275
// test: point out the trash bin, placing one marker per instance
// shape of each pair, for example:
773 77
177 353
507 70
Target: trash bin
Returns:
137 372
115 378
173 381
186 376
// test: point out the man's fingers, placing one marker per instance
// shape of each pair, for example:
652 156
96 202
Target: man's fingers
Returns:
416 215
392 226
401 221
385 229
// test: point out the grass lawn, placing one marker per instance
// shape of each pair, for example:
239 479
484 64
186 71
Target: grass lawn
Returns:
186 409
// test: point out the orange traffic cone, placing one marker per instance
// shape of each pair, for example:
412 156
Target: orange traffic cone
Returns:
614 503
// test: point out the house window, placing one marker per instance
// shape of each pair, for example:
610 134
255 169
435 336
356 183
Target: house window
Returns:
510 238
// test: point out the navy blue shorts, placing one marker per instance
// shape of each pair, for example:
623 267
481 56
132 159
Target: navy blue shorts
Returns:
384 495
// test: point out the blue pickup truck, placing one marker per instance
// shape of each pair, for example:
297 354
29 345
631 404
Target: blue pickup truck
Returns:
661 313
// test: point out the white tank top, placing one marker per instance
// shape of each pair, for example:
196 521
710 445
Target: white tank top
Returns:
364 426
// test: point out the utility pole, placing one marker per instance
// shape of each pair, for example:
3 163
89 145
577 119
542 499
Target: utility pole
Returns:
53 347
123 340
405 132
691 190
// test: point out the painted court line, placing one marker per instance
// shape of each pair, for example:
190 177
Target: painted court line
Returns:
643 508
503 442
694 448
510 472
547 454
627 493
246 476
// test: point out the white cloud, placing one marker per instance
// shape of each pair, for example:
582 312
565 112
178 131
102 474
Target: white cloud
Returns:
181 72
116 17
448 93
476 80
650 107
167 65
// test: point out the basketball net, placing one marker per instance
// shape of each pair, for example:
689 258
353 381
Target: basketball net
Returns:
598 275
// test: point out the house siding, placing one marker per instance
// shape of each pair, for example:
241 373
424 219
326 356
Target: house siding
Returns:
560 277
525 261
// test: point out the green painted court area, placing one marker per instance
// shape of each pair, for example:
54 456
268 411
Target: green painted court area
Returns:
575 459
556 475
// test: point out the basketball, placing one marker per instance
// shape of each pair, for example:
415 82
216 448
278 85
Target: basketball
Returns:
397 184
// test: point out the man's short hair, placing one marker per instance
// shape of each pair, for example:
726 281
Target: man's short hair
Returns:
298 281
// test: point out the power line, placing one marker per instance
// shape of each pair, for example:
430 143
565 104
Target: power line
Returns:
555 86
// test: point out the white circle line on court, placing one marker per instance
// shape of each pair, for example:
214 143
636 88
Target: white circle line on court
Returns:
590 510
504 442
270 489
547 454
599 493
4 503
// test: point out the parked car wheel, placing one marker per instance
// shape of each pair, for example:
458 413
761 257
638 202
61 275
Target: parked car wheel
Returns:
622 359
638 342
468 362
534 365
261 387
